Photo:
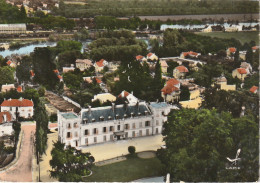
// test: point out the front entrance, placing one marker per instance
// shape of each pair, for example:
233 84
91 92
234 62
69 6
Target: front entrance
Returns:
118 137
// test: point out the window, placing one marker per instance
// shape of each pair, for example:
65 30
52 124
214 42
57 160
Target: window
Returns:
147 123
86 141
68 135
95 131
140 124
111 128
118 127
126 126
104 129
105 138
140 133
95 139
133 125
69 126
133 134
86 132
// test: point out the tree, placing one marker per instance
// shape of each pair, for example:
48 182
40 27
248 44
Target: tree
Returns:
6 75
42 121
23 13
249 55
23 69
236 56
17 129
157 83
198 142
69 164
185 93
131 150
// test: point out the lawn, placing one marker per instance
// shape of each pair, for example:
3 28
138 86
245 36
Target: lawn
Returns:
243 37
125 171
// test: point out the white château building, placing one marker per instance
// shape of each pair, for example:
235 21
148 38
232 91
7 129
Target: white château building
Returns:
111 123
12 28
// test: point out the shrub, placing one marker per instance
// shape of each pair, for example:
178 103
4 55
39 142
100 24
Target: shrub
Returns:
131 150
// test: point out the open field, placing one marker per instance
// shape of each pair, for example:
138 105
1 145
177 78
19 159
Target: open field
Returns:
125 171
243 37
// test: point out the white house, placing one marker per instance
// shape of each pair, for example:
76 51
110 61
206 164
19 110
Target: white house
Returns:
5 124
83 64
151 56
129 97
111 123
7 87
23 107
99 66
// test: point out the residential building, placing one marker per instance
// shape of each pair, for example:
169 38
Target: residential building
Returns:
180 72
240 73
113 66
130 98
254 89
32 74
171 90
221 83
19 89
242 55
140 58
7 87
111 123
5 124
22 107
246 66
151 56
83 64
68 69
207 29
189 54
99 66
164 66
231 51
254 48
104 97
11 64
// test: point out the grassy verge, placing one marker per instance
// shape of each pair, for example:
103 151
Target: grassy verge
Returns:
243 37
131 169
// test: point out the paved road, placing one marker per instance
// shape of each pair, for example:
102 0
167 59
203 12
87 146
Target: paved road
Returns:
22 170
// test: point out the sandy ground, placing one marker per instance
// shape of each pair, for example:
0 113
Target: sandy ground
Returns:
22 170
113 149
44 164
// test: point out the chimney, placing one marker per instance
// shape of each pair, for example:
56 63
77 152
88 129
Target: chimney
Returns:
113 107
5 118
89 109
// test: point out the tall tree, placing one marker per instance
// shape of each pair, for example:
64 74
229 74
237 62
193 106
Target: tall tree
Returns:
69 164
6 75
236 56
42 120
23 69
249 55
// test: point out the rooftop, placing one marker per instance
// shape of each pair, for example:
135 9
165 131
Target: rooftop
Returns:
159 105
69 115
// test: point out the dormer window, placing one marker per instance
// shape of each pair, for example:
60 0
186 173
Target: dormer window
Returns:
125 115
109 117
132 114
139 114
117 116
101 118
85 120
93 119
146 112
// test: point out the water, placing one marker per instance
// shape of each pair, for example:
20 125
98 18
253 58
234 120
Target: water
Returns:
26 50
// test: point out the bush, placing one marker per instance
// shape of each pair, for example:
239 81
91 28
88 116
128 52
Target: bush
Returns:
131 150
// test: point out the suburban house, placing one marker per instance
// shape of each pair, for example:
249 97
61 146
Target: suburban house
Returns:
111 123
140 58
99 66
221 83
151 56
207 29
233 28
164 66
5 124
19 89
130 98
240 73
68 69
246 66
189 54
113 66
22 107
10 63
90 79
180 72
7 87
83 64
58 75
171 90
242 55
104 97
32 74
231 51
254 48
254 89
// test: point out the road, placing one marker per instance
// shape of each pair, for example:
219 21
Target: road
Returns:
22 170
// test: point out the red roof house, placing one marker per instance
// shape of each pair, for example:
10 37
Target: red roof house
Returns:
254 89
17 103
182 68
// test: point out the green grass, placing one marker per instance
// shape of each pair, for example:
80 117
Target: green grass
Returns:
125 171
243 37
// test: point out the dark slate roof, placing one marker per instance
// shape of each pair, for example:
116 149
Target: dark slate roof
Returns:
120 110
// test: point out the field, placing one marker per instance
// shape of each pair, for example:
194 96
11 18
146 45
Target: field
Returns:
125 171
243 37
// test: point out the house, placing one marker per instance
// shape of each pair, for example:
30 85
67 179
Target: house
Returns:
140 58
180 72
233 28
104 97
151 56
240 73
207 29
11 64
254 48
113 66
5 124
32 74
19 89
246 66
90 79
21 107
130 98
164 66
242 55
7 87
83 64
68 69
58 75
60 78
221 82
111 123
231 51
99 66
189 54
171 90
254 89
